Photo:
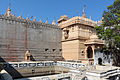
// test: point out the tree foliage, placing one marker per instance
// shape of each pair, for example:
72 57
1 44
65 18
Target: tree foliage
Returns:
109 31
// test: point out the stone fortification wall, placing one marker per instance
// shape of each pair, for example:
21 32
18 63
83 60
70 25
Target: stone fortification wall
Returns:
18 35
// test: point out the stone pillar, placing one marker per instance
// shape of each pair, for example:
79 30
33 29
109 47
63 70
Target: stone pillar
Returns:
86 52
93 48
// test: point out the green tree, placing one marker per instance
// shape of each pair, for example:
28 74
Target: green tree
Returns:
109 31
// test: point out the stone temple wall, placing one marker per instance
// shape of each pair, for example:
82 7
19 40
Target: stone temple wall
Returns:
106 58
43 40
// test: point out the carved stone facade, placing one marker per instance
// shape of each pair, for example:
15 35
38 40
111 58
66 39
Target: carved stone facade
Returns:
43 40
78 38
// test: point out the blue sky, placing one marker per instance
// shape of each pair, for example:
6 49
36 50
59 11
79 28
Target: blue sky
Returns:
55 8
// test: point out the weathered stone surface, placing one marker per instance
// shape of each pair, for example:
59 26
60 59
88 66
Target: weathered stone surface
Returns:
18 35
79 38
75 32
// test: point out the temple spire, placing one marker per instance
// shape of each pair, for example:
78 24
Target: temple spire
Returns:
78 13
46 21
34 19
54 23
8 12
41 20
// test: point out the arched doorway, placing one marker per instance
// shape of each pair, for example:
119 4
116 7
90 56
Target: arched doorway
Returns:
100 61
89 52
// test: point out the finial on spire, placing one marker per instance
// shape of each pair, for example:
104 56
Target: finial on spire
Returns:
41 20
84 8
54 23
46 21
84 11
9 5
78 13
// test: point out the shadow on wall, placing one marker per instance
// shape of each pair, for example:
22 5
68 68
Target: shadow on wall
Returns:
9 69
32 58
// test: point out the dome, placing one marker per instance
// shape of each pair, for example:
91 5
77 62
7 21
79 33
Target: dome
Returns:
94 40
63 18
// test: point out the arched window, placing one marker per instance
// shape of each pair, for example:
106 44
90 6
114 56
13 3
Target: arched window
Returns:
89 52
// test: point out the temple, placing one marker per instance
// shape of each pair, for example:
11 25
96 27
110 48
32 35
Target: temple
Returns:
37 50
79 39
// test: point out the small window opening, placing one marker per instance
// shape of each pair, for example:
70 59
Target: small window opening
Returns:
67 31
60 49
82 51
54 50
46 49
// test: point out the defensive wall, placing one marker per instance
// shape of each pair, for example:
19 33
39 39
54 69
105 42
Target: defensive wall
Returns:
17 35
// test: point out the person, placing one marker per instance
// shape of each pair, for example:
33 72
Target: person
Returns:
27 55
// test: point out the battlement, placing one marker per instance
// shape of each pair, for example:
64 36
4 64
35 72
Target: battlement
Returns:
13 19
20 34
35 24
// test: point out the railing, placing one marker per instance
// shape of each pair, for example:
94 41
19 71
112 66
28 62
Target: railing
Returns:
73 65
43 64
28 64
